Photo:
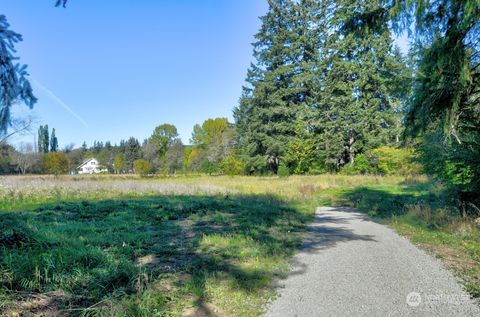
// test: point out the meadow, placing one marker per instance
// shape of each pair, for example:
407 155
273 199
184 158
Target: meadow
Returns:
192 245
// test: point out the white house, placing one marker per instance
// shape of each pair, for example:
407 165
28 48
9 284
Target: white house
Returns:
90 166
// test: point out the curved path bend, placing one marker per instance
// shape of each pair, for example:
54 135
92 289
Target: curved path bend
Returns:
352 266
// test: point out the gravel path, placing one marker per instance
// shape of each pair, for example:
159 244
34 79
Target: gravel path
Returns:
351 266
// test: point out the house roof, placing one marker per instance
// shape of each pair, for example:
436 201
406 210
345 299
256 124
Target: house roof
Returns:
86 161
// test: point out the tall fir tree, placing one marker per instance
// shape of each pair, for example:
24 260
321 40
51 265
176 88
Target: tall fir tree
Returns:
279 84
53 142
358 108
43 139
132 153
14 85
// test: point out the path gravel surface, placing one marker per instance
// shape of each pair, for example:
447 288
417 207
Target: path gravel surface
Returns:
352 266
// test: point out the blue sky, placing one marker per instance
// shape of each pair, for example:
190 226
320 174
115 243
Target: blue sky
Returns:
108 70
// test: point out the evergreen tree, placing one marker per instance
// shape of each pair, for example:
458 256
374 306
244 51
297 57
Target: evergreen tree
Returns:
14 86
43 139
357 108
53 142
132 153
444 109
280 85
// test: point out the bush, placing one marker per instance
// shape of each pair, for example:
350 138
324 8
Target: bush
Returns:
362 165
209 167
283 171
256 165
231 165
55 163
393 161
386 161
141 167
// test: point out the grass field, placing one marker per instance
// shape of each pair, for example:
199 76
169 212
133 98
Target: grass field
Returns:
124 246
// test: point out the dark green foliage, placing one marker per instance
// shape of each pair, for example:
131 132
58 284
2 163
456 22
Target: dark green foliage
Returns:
132 153
363 165
444 110
43 139
360 104
6 164
14 86
279 84
283 171
322 95
209 167
53 142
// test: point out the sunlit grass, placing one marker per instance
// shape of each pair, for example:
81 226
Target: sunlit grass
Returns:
126 246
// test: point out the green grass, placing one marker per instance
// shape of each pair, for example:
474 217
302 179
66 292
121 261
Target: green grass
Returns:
150 256
108 246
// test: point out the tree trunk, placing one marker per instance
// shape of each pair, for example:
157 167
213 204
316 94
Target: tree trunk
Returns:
351 154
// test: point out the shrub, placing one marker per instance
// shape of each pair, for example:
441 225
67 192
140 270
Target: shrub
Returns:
141 167
362 165
393 161
209 167
256 165
283 171
231 165
55 163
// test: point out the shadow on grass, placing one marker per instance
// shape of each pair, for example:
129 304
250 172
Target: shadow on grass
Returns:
145 255
387 202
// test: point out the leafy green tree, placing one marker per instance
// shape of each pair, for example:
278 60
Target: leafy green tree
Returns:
212 141
174 156
210 131
141 167
163 135
119 163
55 163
